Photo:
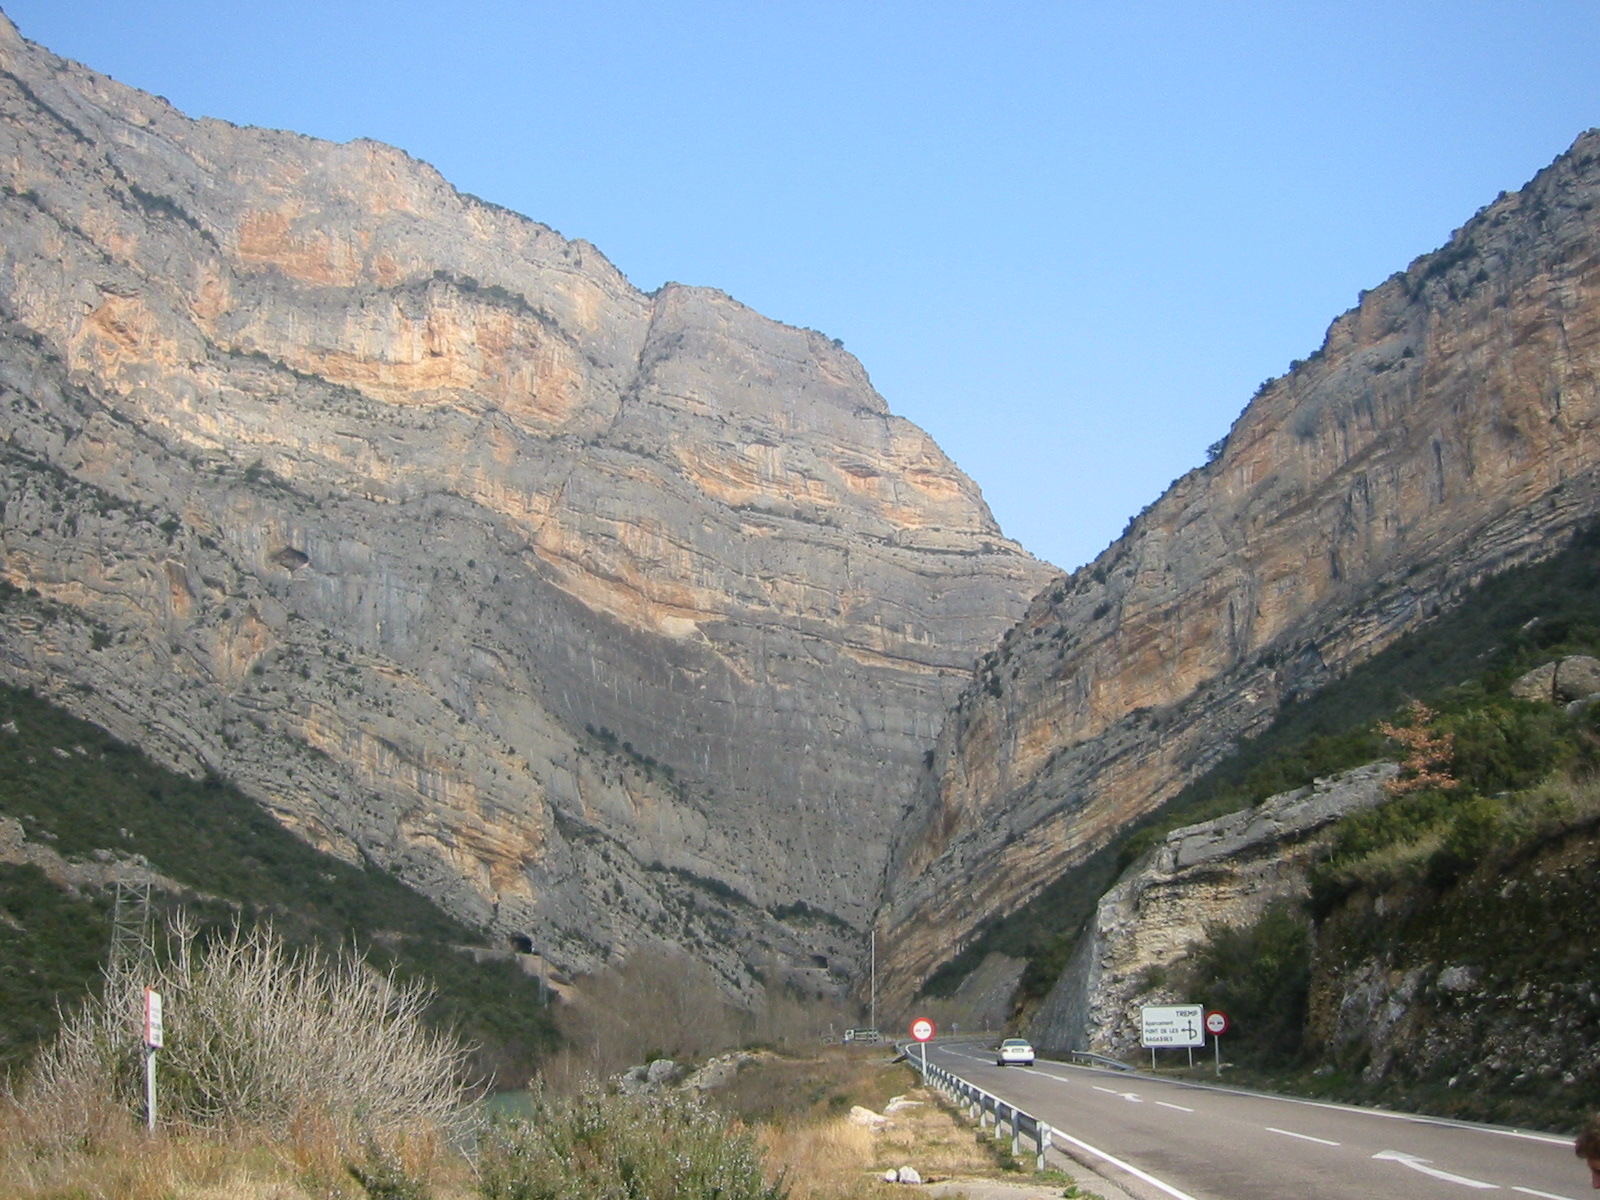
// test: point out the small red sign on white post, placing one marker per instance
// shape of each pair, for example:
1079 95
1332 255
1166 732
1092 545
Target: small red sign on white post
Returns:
922 1029
153 1037
1217 1025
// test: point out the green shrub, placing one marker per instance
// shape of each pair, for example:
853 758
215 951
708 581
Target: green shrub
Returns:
1259 975
597 1146
1502 744
51 942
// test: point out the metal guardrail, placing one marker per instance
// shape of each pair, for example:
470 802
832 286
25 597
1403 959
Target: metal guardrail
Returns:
984 1107
1099 1060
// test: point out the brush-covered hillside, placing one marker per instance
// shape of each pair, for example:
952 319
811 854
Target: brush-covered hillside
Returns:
80 810
1440 952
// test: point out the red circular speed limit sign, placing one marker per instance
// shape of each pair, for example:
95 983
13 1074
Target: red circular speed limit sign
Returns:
922 1029
1217 1022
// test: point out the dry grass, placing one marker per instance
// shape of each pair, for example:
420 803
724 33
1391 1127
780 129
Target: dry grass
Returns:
801 1107
121 1161
662 1004
806 1133
211 1167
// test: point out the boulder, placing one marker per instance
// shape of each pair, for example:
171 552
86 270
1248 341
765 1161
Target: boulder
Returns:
719 1071
1565 681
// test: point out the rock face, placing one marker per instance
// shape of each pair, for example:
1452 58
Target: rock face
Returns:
1486 985
600 616
1221 872
1445 430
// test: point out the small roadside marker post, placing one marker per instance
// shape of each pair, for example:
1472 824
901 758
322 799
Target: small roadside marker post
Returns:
154 1039
1216 1026
922 1029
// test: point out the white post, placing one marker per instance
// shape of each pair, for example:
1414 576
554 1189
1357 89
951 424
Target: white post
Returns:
154 1039
873 973
150 1088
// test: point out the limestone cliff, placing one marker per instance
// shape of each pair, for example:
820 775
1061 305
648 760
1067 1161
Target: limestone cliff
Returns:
599 615
1446 429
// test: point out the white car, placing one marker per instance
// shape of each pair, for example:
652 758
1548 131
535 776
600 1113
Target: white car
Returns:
1014 1050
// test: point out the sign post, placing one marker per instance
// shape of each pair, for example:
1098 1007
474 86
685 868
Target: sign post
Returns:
1170 1025
1217 1025
154 1039
923 1029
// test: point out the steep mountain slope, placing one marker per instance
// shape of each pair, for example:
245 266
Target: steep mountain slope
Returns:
1444 431
81 813
598 616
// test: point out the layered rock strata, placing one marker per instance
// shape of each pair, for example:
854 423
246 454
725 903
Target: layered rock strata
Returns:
1445 430
600 616
1221 872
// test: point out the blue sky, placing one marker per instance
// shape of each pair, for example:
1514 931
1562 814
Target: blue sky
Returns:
1067 239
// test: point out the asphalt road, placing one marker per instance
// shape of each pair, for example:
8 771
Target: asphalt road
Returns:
1163 1140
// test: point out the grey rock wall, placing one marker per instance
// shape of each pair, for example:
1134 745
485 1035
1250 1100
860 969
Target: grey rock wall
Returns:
603 617
1220 872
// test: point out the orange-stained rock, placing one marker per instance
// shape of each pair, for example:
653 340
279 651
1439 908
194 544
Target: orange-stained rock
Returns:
1445 430
602 616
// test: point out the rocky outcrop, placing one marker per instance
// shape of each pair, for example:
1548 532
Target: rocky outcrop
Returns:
103 872
1445 430
600 616
1570 680
1225 871
1481 990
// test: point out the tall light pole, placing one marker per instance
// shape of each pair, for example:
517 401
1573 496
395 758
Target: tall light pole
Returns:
872 971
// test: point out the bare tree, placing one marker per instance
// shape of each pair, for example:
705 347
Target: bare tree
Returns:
257 1037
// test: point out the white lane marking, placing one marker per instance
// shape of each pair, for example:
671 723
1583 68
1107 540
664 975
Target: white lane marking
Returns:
1304 1137
1414 1118
1130 1097
1420 1164
1179 1107
1536 1192
1120 1165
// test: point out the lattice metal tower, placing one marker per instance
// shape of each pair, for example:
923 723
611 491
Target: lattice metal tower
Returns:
133 939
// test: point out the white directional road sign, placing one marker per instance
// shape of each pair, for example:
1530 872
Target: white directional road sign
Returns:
1172 1025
